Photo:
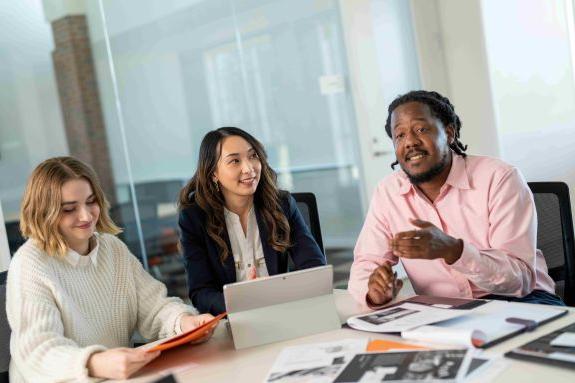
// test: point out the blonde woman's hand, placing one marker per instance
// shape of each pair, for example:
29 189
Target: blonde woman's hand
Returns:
190 322
119 363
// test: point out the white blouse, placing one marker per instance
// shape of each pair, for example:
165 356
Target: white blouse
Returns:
246 248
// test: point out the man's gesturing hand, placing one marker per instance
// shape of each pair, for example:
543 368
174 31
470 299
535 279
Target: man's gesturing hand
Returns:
427 243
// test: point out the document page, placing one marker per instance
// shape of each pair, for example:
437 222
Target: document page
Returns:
545 349
492 319
407 366
317 362
402 317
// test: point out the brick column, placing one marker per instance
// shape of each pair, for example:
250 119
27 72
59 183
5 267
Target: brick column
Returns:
79 97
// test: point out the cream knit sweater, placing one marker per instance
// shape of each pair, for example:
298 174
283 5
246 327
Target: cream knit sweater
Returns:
61 313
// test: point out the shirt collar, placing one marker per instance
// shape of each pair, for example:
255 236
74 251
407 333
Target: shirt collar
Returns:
404 185
75 259
231 215
457 178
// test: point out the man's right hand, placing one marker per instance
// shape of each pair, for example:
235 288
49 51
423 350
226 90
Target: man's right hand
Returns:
382 286
118 363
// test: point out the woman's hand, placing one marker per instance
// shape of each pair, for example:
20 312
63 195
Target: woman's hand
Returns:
190 322
119 363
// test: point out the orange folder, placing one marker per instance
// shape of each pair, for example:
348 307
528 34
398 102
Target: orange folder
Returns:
386 345
188 336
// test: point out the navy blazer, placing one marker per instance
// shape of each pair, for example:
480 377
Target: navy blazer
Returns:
206 273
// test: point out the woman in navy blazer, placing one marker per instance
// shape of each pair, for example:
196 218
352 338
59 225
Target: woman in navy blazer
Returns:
234 184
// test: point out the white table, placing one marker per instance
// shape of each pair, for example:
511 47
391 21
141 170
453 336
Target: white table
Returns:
218 361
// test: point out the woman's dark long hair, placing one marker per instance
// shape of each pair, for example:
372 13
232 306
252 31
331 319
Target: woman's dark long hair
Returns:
211 200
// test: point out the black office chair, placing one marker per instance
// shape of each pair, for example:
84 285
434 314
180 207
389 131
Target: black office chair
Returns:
555 235
4 331
15 239
307 206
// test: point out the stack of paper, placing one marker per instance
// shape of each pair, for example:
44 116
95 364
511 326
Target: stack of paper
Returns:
458 322
350 360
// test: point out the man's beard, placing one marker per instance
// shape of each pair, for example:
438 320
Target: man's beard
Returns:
427 176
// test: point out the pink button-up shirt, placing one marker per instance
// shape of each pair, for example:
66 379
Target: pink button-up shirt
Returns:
486 203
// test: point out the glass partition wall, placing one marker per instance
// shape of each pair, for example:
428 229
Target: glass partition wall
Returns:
169 72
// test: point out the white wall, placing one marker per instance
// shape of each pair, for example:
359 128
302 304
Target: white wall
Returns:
453 61
507 67
531 71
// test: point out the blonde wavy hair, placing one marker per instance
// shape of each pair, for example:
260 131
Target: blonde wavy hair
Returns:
41 207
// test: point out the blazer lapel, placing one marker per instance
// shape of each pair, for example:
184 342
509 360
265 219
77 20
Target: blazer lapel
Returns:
270 254
229 264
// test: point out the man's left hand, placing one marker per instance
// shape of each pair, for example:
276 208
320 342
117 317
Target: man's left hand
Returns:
427 243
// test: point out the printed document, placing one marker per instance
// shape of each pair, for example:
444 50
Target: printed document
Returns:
402 317
318 362
407 366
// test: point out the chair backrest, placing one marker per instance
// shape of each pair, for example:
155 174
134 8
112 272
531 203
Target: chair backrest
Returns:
4 331
555 235
307 206
15 239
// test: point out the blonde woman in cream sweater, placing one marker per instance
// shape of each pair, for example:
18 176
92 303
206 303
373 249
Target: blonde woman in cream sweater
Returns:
75 293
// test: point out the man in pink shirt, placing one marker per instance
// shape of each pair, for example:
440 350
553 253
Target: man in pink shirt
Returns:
463 226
